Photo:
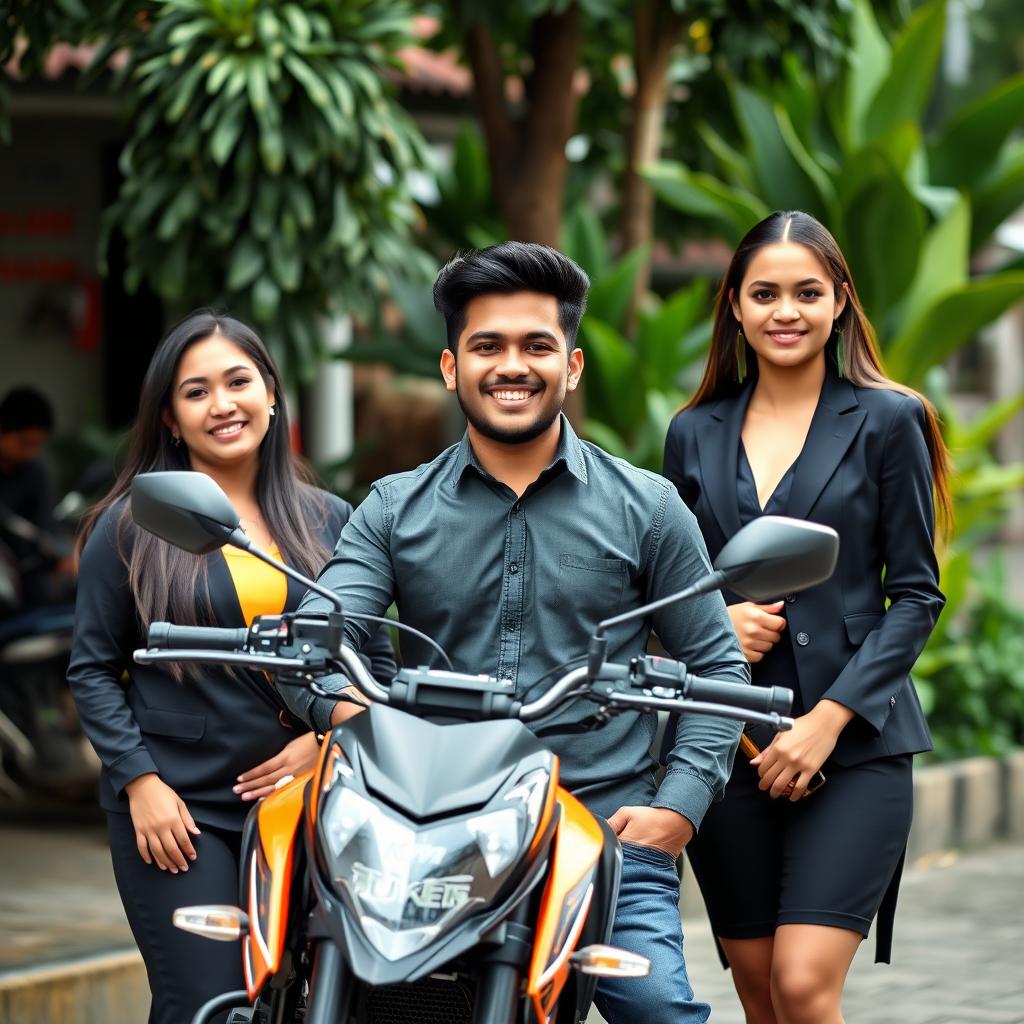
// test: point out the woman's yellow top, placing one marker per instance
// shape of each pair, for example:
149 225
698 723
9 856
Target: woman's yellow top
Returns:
261 589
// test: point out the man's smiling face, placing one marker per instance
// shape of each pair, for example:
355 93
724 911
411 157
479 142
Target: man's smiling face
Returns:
513 367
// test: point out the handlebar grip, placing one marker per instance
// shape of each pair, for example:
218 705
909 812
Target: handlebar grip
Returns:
163 636
765 699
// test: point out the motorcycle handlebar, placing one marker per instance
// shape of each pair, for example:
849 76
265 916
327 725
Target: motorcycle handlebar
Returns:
163 636
766 700
667 683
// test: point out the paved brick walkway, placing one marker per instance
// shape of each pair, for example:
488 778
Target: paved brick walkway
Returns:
959 951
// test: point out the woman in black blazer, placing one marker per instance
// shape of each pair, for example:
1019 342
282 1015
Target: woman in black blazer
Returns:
795 417
185 753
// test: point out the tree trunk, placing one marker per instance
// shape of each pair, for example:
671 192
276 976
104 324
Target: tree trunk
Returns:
654 39
526 152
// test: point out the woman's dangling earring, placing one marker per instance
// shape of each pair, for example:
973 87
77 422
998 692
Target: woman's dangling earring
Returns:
176 440
273 410
741 356
840 354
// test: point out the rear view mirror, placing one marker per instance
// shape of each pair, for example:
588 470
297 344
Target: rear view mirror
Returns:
186 509
775 555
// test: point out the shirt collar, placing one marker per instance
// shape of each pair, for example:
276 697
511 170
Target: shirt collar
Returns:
569 455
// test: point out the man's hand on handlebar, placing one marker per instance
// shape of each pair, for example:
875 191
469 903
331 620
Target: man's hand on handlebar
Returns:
344 710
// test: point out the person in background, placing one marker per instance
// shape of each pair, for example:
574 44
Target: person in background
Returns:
26 422
795 417
185 753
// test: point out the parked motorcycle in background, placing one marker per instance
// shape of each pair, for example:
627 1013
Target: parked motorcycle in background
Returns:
431 868
42 749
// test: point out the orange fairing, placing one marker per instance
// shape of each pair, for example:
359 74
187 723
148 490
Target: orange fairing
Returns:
269 881
565 903
549 807
326 748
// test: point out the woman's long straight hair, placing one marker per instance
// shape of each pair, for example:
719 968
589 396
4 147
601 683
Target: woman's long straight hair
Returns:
862 363
167 582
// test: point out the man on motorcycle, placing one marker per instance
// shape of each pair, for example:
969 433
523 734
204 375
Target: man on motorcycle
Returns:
510 546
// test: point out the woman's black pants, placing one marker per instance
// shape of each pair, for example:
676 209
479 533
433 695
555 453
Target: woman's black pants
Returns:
184 970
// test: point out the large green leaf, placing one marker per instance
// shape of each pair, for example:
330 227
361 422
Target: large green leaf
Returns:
870 58
780 176
943 266
470 173
984 428
734 165
906 89
999 195
611 293
891 153
661 335
883 227
968 146
951 322
735 210
584 240
612 381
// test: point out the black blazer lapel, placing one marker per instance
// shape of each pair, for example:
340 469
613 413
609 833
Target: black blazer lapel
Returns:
835 424
718 445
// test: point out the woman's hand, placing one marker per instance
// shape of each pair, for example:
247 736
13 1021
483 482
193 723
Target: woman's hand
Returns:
297 757
790 761
162 823
758 627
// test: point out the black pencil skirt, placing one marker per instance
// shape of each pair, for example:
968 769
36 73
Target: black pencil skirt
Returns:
184 970
834 858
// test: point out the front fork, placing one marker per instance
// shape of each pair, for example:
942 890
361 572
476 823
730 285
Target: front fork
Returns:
330 986
499 985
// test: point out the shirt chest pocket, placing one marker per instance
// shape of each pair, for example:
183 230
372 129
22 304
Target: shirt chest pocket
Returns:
589 587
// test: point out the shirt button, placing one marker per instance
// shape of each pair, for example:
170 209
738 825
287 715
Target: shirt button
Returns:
790 598
513 568
515 509
803 639
510 627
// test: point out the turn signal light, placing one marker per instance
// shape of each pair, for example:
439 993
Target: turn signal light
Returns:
609 962
214 921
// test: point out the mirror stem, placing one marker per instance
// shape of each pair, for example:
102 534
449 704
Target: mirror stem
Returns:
238 539
713 581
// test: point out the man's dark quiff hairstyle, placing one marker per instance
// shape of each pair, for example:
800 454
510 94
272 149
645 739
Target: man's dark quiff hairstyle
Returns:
505 269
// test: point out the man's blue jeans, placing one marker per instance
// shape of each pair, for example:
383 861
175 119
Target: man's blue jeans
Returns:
647 922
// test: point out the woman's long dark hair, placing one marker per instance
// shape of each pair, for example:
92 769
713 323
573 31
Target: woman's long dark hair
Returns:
862 361
166 582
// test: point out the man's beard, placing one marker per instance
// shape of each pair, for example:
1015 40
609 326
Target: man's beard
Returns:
513 435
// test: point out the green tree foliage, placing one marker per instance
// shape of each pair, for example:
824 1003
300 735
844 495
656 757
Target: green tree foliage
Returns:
266 165
853 154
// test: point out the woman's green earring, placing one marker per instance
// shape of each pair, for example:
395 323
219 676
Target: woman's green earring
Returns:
840 354
741 356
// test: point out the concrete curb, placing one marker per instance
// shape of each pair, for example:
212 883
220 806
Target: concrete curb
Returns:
968 803
93 990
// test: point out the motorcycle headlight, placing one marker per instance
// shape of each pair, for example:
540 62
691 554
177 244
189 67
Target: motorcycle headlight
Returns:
411 884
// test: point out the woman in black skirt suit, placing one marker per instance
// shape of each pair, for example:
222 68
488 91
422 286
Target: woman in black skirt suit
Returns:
185 753
796 417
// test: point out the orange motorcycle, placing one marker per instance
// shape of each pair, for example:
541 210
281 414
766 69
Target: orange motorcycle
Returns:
431 868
